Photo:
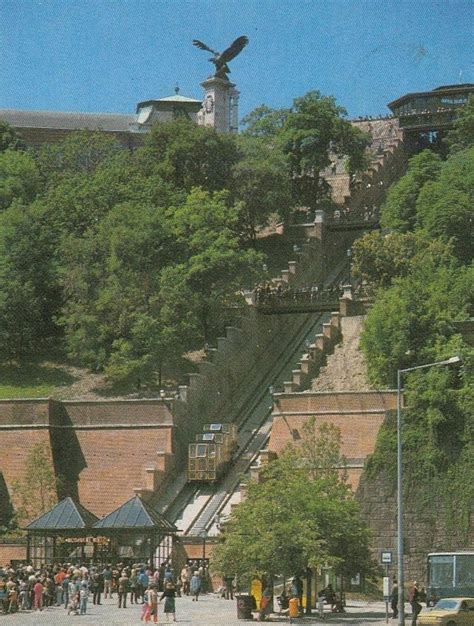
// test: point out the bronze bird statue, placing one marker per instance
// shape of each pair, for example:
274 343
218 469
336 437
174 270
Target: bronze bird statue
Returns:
220 60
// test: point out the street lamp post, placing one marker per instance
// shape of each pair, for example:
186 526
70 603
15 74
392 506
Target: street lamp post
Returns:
204 568
401 598
349 258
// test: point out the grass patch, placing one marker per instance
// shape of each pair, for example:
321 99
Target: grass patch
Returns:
32 380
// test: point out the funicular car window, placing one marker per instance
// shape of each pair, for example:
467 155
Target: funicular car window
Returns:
201 450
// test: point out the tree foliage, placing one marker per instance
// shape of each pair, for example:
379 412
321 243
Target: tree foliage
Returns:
315 128
444 206
19 178
261 184
264 122
28 284
126 260
149 281
9 138
423 279
399 210
187 155
300 515
462 135
413 315
377 259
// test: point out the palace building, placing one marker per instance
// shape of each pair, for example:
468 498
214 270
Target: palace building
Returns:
218 109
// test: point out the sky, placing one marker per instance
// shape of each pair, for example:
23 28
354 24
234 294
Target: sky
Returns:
108 55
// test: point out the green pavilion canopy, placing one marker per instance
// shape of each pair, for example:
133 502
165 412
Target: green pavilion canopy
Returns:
135 513
66 515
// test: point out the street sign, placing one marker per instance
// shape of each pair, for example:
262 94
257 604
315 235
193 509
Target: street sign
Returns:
386 558
386 588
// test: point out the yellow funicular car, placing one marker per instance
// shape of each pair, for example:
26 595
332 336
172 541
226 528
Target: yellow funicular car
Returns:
211 453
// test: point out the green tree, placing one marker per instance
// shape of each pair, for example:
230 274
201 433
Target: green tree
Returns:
409 319
260 182
19 178
437 439
379 258
29 294
215 265
399 210
462 135
444 206
187 155
82 151
313 130
36 490
10 139
110 277
301 515
265 122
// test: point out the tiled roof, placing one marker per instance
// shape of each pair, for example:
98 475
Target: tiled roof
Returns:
66 515
178 98
117 122
135 513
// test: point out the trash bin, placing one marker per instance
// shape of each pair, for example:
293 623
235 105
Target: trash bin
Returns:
245 604
293 606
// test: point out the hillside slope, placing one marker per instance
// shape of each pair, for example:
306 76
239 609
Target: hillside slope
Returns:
345 369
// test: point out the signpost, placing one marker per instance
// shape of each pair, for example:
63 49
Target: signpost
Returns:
386 559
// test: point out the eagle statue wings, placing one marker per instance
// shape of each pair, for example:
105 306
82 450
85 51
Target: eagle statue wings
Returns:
220 59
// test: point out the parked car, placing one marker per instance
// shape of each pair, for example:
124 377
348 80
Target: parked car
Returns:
449 612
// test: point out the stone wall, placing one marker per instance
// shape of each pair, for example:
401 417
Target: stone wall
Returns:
12 551
387 142
358 415
425 530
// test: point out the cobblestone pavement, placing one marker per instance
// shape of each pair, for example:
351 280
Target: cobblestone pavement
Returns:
209 611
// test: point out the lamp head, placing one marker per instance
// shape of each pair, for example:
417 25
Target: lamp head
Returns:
454 359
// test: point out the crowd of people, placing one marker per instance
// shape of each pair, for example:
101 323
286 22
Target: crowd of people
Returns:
268 293
365 213
72 587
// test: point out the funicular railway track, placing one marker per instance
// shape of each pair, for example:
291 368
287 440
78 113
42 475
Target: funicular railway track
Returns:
193 507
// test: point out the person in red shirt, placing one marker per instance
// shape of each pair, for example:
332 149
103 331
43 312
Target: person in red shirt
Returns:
38 596
58 581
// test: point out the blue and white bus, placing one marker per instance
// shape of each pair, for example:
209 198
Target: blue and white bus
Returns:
450 575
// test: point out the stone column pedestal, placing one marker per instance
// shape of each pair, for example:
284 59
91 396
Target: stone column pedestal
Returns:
220 106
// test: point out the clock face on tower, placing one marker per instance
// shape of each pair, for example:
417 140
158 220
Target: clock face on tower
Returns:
209 104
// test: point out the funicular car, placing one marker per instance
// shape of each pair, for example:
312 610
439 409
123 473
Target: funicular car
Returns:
210 454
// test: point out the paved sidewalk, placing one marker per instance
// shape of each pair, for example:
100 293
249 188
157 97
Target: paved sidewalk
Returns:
209 611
